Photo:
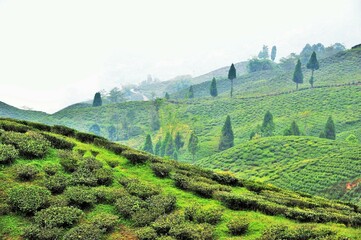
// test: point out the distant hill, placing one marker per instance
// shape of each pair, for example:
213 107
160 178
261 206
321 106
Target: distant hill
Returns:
13 112
73 185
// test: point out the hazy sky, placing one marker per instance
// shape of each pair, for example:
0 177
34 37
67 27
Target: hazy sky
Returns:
55 53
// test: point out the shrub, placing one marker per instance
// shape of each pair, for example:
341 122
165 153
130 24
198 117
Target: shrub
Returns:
128 205
62 130
30 144
34 232
108 195
203 189
83 176
181 181
4 209
238 226
51 169
135 157
58 142
142 190
58 201
39 126
56 183
146 233
114 147
200 214
28 199
85 231
144 217
105 222
237 202
8 153
91 164
162 203
165 238
300 233
58 217
85 137
94 153
161 170
13 126
225 178
26 172
69 160
192 231
112 163
104 176
165 222
82 197
258 186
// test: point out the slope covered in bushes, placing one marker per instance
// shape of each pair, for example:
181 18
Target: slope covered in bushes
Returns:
83 186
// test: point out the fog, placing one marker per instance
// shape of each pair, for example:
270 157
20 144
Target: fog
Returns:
55 53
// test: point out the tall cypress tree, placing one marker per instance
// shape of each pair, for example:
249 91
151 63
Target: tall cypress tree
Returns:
158 146
227 137
148 145
193 145
313 65
190 92
295 129
169 149
268 125
165 144
178 141
95 129
166 96
232 74
273 53
330 131
97 101
213 88
298 75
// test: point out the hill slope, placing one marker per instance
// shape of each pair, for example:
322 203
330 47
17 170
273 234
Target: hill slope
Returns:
313 165
71 185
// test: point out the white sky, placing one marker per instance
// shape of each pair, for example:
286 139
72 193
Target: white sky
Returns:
55 53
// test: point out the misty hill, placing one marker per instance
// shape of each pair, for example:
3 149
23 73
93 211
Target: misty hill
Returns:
13 112
73 185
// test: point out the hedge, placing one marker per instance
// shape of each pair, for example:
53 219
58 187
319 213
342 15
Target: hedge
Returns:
58 217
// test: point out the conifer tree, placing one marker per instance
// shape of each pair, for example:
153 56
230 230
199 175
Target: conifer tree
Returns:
268 125
227 138
148 145
273 53
169 150
158 146
298 75
295 129
190 92
165 144
175 155
95 129
213 88
232 74
193 145
97 101
166 96
178 141
313 65
330 131
112 133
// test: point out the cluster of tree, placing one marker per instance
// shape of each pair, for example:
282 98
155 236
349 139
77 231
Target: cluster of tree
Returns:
312 64
263 54
168 147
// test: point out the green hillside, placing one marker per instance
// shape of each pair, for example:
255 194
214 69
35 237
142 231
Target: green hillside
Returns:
306 164
340 68
13 112
58 183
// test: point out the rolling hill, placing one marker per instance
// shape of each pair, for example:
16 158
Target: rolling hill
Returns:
58 183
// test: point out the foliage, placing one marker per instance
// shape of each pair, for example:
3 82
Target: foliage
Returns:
227 138
95 129
297 74
135 157
56 183
146 233
69 160
82 197
148 145
256 65
30 144
63 130
268 125
128 205
58 217
293 130
190 92
26 172
161 170
213 88
238 226
105 222
97 101
200 214
84 231
232 74
34 232
178 141
273 53
313 65
264 53
8 153
330 131
28 199
304 232
193 144
192 231
58 142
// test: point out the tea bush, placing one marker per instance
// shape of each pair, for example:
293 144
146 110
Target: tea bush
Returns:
146 233
105 222
51 169
58 142
8 153
84 231
26 172
56 183
192 231
164 223
62 130
161 170
58 217
104 176
34 232
141 189
238 226
69 160
28 199
82 197
128 205
135 157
